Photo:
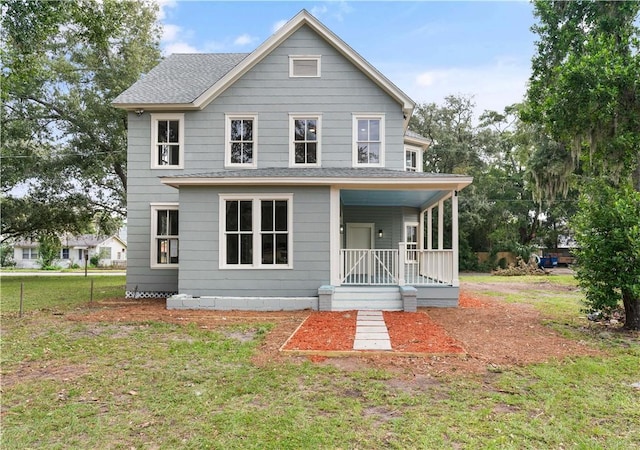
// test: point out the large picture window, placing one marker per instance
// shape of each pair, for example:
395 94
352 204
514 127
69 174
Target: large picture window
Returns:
305 140
241 141
167 136
368 132
255 231
164 235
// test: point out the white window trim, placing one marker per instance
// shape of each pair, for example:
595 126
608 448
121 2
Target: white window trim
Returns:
354 137
257 255
292 153
227 140
419 157
154 136
293 58
153 229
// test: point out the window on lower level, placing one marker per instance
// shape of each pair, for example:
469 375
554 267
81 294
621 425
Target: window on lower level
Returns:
255 231
164 235
30 253
64 253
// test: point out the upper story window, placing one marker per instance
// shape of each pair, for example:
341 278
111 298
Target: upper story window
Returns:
304 143
256 231
368 133
167 136
164 235
241 144
304 66
413 159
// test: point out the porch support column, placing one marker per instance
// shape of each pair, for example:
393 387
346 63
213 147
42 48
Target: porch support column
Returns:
421 231
454 238
334 236
430 228
441 225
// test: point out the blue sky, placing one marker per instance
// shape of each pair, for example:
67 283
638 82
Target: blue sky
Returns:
429 49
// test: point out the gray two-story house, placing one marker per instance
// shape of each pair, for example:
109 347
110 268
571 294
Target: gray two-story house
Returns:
284 179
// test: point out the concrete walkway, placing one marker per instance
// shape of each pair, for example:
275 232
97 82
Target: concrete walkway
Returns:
371 332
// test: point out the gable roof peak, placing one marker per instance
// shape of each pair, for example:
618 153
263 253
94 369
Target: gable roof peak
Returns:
195 89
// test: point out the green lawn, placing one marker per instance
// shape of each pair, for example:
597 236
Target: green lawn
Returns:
157 385
56 292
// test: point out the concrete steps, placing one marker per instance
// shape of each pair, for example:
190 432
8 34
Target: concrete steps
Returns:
371 298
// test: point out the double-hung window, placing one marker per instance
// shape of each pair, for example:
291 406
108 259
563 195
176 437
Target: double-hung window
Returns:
255 231
64 253
368 132
241 141
167 141
164 235
413 159
304 140
29 253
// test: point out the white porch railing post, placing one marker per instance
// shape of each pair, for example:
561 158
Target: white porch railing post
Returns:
430 228
441 225
455 281
402 256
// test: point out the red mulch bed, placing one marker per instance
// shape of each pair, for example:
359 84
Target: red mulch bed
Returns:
417 333
330 331
409 333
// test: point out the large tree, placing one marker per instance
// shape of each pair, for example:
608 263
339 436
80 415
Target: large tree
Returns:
502 210
584 92
63 145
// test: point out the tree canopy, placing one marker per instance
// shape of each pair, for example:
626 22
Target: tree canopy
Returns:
585 93
63 144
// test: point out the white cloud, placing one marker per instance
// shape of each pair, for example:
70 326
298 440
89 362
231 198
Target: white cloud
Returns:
179 47
334 9
170 32
162 7
244 39
492 86
318 11
279 24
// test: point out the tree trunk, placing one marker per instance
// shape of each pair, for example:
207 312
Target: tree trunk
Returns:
631 311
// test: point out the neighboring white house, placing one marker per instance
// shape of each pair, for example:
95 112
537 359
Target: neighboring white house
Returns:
111 249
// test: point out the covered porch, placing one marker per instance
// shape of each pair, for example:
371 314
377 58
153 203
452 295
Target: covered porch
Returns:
398 247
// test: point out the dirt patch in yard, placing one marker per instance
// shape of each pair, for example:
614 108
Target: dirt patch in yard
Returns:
493 334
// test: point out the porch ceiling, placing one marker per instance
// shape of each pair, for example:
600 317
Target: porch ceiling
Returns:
413 198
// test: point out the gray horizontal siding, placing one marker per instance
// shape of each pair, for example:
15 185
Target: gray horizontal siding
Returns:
267 91
200 274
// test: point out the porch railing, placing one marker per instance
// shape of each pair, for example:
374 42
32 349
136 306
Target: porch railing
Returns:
396 267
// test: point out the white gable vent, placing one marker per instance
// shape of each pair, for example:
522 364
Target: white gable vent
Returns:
304 66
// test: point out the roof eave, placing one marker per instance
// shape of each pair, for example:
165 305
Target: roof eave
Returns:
390 183
134 107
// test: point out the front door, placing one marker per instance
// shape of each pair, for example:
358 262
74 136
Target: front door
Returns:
360 235
357 255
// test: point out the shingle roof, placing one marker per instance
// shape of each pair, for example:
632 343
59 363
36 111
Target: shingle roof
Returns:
324 172
413 134
180 78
